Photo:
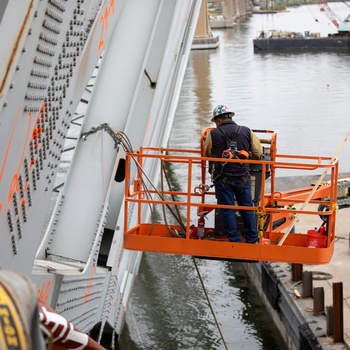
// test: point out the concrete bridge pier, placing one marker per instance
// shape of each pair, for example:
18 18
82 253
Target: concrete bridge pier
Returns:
203 37
231 11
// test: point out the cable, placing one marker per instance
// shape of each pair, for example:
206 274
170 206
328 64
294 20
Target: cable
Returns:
309 9
120 138
135 325
296 287
126 144
155 189
128 148
209 303
177 216
321 276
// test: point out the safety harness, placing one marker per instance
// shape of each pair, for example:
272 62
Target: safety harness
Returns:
229 153
231 143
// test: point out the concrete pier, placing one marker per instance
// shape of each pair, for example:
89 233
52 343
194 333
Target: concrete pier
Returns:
204 38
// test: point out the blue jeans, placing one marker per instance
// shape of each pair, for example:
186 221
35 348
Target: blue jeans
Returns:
226 194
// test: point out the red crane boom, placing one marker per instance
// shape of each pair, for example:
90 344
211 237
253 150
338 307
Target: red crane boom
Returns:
329 13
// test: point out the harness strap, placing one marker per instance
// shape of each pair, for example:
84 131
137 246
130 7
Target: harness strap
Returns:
216 173
231 139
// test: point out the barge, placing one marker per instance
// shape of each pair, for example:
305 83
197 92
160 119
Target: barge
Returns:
289 41
286 40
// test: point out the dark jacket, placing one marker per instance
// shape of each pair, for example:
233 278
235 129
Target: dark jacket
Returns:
219 145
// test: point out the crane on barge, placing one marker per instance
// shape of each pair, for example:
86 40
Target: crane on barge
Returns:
343 26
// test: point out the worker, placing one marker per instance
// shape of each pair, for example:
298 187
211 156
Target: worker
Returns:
232 180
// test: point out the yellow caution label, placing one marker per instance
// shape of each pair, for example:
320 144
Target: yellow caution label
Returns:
11 330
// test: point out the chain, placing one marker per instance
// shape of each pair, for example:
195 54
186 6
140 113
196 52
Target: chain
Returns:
104 127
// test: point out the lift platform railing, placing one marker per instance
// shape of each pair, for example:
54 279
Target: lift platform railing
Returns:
186 206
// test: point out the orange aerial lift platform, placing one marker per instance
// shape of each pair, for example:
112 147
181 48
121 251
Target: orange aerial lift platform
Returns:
185 217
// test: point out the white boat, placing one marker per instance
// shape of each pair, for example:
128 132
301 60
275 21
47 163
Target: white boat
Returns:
73 251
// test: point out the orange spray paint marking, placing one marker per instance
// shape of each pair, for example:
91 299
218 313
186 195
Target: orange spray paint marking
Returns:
44 292
14 183
87 293
13 187
35 134
104 25
9 146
